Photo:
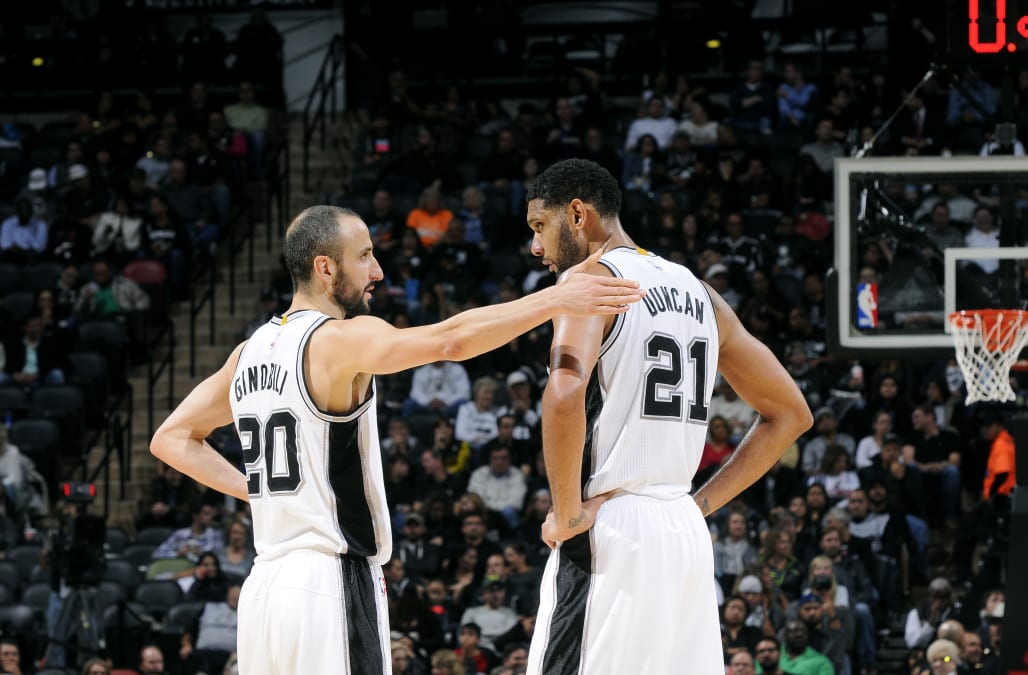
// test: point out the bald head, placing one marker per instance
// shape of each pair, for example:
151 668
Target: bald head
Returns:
951 630
319 230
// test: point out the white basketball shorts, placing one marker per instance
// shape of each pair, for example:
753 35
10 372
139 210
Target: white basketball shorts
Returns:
633 595
309 612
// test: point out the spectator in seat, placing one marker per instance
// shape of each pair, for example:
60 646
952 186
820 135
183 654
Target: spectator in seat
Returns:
207 168
165 240
192 204
702 131
440 387
190 542
110 293
500 484
384 223
752 102
799 657
656 123
470 652
493 616
57 176
476 419
23 236
117 234
151 661
827 427
17 491
825 149
795 98
642 167
168 499
238 555
923 621
156 162
33 358
430 219
936 455
207 648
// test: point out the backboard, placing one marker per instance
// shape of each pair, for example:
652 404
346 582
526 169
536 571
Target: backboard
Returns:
917 238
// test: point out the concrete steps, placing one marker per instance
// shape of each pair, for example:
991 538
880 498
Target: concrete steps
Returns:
329 168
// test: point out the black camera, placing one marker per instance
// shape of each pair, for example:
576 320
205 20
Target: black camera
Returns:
821 582
80 539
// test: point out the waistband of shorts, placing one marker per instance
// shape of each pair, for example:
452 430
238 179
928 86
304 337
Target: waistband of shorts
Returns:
308 553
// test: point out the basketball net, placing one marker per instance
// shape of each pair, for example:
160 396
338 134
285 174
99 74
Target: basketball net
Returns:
988 342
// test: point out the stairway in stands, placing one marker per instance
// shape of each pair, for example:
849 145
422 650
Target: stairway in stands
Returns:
326 169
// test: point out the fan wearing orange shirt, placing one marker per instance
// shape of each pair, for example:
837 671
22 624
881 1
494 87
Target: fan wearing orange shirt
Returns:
430 219
999 472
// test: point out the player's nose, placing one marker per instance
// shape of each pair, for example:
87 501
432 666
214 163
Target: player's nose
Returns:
537 246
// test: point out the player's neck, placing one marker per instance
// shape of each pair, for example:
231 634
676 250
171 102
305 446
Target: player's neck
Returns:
305 300
617 236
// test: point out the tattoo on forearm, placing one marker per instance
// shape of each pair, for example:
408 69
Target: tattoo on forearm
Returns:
705 507
576 521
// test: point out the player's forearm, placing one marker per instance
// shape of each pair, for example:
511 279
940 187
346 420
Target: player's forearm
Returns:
764 444
198 460
563 425
483 329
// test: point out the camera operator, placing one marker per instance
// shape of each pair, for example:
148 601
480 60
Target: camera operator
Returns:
73 554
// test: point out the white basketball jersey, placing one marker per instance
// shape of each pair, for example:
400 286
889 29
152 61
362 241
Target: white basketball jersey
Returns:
648 398
314 479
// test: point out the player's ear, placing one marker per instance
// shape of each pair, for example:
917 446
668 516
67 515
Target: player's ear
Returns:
576 213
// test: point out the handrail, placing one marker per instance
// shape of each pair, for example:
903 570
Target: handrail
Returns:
208 297
325 88
277 194
156 369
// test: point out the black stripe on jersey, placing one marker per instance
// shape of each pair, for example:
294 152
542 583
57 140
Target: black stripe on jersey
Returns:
563 654
361 611
619 320
593 407
346 473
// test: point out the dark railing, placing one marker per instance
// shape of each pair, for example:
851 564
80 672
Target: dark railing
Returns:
240 228
276 205
324 94
117 436
156 364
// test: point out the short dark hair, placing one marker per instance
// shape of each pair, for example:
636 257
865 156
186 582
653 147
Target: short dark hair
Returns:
312 233
577 179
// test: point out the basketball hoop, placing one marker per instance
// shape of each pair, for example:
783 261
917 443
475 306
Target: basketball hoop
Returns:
988 342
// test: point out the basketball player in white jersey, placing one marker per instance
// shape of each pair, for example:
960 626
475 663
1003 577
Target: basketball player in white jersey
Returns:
301 394
629 586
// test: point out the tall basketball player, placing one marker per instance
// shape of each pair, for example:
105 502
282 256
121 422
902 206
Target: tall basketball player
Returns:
301 394
629 586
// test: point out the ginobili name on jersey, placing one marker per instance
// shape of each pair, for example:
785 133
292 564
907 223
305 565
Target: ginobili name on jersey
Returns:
265 377
663 299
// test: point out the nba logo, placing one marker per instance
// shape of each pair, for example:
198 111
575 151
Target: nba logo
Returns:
867 305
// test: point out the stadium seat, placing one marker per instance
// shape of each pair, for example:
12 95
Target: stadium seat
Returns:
133 617
117 539
19 304
13 402
89 373
37 596
154 536
20 619
124 571
10 278
107 338
158 596
42 276
10 576
108 593
26 559
39 440
182 617
63 405
7 596
140 555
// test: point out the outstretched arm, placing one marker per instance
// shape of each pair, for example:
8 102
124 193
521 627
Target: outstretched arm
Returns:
369 345
761 381
179 442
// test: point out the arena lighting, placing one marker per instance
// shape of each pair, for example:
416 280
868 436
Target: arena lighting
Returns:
38 61
714 44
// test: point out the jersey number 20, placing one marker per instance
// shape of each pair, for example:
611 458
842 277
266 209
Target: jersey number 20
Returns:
662 397
262 443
